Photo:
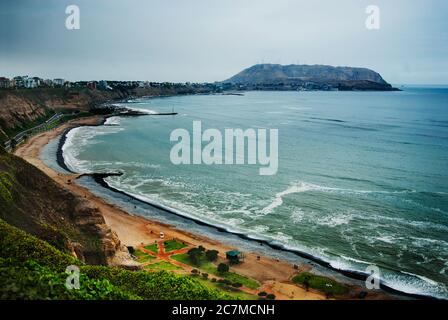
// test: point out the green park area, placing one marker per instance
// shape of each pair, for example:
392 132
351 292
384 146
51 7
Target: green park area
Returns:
162 266
142 257
329 286
173 245
203 263
152 247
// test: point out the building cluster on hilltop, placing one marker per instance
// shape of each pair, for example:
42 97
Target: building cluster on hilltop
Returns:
27 82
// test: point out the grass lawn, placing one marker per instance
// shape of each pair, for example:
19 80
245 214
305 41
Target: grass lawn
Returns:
162 265
152 247
211 268
171 245
142 256
320 283
215 285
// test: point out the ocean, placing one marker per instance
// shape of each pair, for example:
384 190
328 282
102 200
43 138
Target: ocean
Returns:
362 176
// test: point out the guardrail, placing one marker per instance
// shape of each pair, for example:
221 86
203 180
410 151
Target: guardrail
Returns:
21 136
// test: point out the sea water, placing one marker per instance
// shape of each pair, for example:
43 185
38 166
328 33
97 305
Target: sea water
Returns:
362 176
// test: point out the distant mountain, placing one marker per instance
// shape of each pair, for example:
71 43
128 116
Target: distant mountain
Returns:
313 77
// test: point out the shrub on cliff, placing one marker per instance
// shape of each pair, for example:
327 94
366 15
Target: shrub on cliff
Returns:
154 285
21 246
31 268
31 281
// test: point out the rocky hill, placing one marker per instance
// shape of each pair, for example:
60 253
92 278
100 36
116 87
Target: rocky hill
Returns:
32 202
310 77
45 228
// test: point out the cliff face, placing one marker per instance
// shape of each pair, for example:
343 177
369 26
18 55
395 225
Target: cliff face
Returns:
275 73
32 202
20 107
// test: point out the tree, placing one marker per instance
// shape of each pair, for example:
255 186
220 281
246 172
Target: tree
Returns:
195 255
270 296
212 255
306 282
222 267
205 275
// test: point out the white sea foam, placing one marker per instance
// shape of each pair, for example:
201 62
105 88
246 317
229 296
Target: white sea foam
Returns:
335 219
278 200
300 187
70 151
142 110
297 215
414 284
282 237
206 204
402 281
386 238
260 228
76 140
297 108
115 121
275 112
430 281
405 282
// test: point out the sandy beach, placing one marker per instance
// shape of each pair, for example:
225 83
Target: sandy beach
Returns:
274 275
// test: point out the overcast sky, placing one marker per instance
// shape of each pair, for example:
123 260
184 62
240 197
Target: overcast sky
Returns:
209 40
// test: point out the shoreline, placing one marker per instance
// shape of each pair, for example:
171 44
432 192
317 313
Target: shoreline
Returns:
99 179
134 230
352 274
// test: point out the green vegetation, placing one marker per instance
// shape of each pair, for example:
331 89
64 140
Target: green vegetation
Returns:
324 284
48 113
222 267
82 114
21 246
155 285
211 268
162 265
196 255
237 278
31 268
203 265
152 247
211 255
31 280
11 132
142 257
6 183
172 245
33 202
236 294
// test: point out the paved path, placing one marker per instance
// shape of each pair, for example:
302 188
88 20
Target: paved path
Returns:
166 256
